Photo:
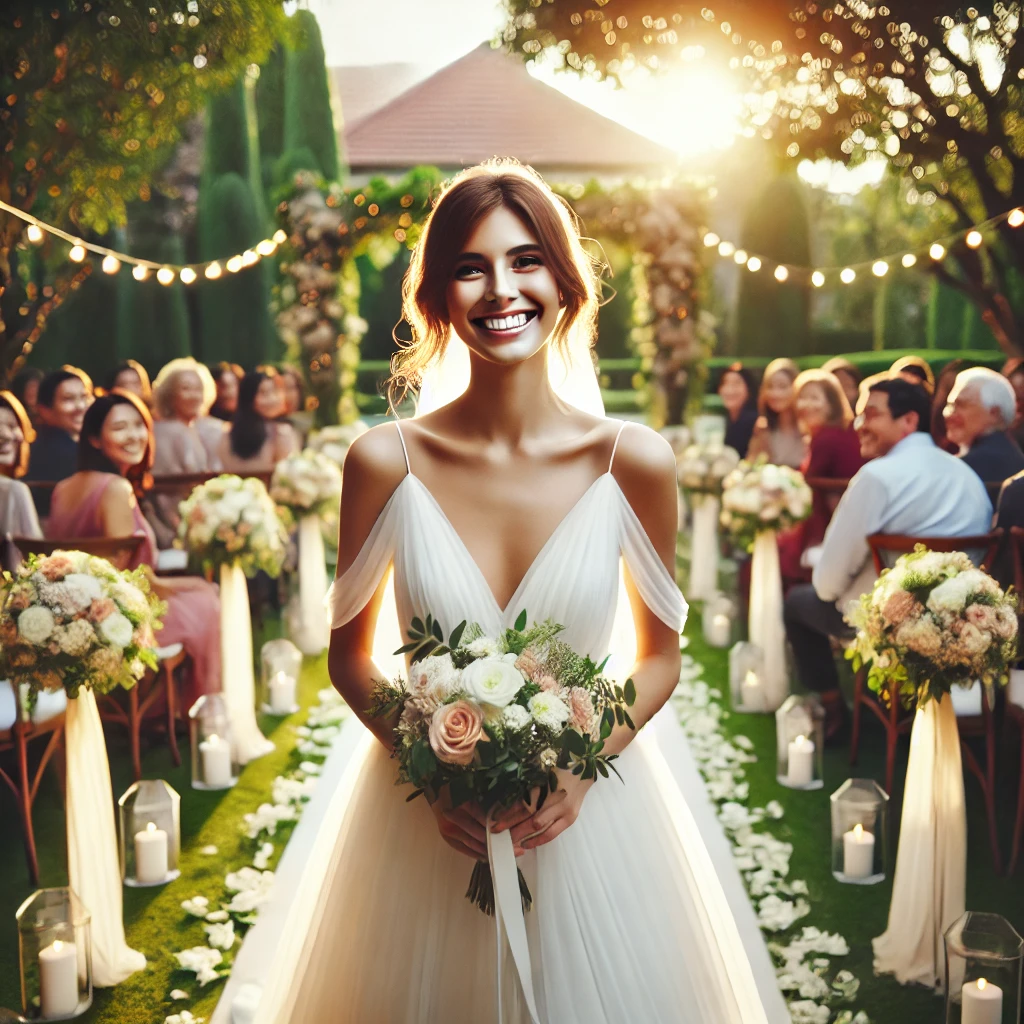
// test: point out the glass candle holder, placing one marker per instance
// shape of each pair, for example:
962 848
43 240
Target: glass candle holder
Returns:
280 664
746 675
718 619
55 955
983 970
800 740
149 815
214 765
860 832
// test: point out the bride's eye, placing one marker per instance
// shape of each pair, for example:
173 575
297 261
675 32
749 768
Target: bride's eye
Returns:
467 271
527 262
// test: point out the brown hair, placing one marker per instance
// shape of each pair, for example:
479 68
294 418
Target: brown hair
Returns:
462 203
13 403
786 366
839 412
917 367
91 457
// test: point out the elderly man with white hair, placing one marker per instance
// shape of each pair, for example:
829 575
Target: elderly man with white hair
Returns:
979 413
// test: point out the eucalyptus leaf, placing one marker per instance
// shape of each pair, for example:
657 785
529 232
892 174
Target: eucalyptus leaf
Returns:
521 621
456 637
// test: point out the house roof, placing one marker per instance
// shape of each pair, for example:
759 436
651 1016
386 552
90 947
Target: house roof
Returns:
365 89
487 104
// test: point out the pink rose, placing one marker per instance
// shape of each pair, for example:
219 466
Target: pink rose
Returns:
101 608
455 730
581 710
900 607
56 567
982 616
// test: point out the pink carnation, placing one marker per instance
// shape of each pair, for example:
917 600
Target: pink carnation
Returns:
101 608
901 606
56 567
581 710
549 684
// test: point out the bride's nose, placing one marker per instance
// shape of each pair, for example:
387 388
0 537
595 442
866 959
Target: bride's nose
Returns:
503 288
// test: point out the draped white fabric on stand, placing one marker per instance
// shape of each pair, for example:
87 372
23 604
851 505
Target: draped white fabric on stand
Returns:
94 870
311 630
237 678
703 581
766 628
929 886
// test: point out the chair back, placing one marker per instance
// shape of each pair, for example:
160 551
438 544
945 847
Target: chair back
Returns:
994 488
902 544
185 483
828 485
101 547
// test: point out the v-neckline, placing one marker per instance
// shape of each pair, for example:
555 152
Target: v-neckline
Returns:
503 612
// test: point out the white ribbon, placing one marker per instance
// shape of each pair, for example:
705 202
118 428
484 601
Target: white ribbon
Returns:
766 628
704 547
93 867
310 631
238 680
508 916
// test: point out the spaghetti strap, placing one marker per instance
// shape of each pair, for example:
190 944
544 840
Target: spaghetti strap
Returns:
615 447
405 451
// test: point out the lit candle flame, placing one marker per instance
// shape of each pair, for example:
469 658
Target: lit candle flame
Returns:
58 946
858 831
751 679
151 827
982 983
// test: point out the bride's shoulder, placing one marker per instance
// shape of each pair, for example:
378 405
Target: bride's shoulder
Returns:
374 466
643 454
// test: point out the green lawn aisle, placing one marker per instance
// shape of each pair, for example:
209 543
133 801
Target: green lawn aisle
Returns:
859 913
154 921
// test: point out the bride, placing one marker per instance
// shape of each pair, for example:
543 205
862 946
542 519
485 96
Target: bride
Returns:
509 497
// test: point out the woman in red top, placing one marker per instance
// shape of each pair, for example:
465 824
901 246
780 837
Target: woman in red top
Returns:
833 453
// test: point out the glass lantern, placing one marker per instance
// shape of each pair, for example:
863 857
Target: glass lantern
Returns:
150 820
983 970
55 955
746 675
800 738
280 664
860 833
213 753
718 618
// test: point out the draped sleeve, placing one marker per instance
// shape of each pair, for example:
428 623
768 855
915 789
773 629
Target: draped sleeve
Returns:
655 583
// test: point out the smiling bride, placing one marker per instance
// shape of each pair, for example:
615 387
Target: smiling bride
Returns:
509 491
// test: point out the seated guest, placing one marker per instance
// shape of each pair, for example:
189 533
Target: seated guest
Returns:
1013 371
293 400
736 390
849 378
101 500
914 370
908 487
131 376
257 440
833 453
17 511
62 402
776 434
226 377
25 387
943 386
979 414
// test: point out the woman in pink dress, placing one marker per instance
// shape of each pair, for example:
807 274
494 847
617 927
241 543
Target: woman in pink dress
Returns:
101 500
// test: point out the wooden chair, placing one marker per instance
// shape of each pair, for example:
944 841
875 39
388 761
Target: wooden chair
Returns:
184 483
24 781
102 547
894 719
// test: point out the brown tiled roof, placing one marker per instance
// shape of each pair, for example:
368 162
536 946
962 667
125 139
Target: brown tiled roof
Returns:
364 89
487 104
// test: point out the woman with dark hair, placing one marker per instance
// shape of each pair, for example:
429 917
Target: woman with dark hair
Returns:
131 375
776 434
943 386
736 390
25 387
115 454
849 377
226 378
257 440
18 516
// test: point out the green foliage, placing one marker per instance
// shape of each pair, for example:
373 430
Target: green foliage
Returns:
308 121
270 108
226 146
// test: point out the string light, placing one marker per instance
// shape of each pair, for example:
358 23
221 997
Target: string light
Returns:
753 264
139 272
711 239
974 238
34 233
781 273
936 251
847 274
111 264
165 275
879 268
1015 218
187 275
909 259
726 249
213 271
77 253
249 257
234 264
266 247
740 256
817 279
280 236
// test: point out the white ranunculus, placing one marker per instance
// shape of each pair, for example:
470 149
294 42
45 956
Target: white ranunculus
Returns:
116 629
492 681
36 624
434 677
548 710
516 717
90 587
484 647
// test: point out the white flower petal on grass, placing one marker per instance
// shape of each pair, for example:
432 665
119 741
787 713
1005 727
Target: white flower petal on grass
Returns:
178 993
209 851
197 906
220 935
262 856
185 1017
217 916
804 1011
199 959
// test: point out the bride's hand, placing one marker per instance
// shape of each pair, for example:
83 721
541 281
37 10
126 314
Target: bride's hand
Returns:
463 828
531 829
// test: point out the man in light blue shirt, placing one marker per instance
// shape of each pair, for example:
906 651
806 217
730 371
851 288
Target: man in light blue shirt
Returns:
909 487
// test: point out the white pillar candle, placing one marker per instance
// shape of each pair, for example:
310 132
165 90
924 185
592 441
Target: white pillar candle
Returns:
752 693
216 760
801 761
858 853
58 980
150 855
282 693
1015 691
982 1003
720 630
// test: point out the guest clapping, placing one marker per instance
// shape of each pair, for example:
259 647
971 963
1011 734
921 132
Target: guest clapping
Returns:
736 390
979 413
257 440
908 487
776 434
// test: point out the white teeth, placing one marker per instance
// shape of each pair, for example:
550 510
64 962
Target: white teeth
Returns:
506 323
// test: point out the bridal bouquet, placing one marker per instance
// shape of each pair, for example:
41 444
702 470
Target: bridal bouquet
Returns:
931 622
702 469
70 619
757 496
306 483
492 718
228 521
334 441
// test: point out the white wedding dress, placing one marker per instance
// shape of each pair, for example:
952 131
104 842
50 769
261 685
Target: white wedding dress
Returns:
635 917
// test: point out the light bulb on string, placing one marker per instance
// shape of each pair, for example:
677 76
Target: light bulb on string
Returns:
847 274
879 268
740 256
280 236
1016 218
726 249
111 264
909 259
187 275
249 257
753 264
817 279
213 271
936 251
266 247
711 239
234 264
165 275
77 253
34 233
139 272
974 238
781 273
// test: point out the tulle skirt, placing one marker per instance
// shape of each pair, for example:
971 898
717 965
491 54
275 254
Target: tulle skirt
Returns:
628 923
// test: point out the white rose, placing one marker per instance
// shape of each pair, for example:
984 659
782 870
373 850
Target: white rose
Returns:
548 710
484 647
492 681
90 587
116 630
36 624
516 717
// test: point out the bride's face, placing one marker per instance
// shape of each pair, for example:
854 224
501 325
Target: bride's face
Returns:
503 300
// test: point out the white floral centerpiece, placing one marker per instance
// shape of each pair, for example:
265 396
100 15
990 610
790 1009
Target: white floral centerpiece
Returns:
335 441
758 496
305 482
702 469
